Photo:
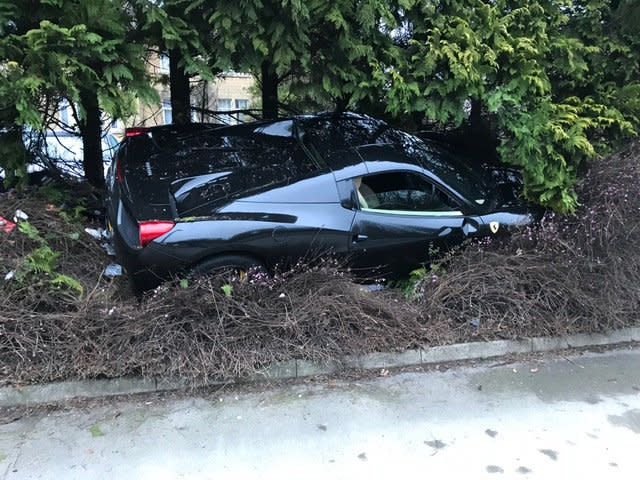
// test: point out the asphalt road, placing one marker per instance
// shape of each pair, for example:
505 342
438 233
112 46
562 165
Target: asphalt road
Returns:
561 417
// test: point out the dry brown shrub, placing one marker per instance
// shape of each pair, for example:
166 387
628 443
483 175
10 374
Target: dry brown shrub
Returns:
566 275
80 257
199 333
195 333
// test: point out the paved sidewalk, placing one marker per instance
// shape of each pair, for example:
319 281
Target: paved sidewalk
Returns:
557 418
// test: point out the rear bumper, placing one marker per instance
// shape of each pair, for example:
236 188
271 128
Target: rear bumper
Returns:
146 266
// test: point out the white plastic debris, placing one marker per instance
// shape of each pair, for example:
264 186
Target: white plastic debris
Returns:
109 249
20 215
113 270
282 295
9 275
95 233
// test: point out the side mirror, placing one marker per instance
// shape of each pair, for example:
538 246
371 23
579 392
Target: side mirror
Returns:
347 194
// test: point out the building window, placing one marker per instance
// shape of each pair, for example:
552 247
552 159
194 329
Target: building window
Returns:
63 109
224 104
164 63
242 104
167 112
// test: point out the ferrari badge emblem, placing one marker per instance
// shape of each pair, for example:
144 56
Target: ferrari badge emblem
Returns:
494 226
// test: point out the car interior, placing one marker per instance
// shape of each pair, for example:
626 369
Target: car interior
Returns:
402 192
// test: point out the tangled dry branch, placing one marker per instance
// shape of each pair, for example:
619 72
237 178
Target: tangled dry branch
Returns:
566 275
199 333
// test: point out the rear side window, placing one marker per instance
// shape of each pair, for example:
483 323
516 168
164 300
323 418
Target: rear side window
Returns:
403 192
228 149
207 151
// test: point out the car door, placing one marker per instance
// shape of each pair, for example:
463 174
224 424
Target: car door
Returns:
403 217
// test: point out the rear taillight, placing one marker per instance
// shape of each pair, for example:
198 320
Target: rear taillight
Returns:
119 176
133 131
149 231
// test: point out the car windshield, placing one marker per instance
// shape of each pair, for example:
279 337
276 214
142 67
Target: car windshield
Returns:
326 135
460 174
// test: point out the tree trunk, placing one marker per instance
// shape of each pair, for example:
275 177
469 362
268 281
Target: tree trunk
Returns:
13 156
481 136
477 129
269 91
180 91
91 131
342 103
205 99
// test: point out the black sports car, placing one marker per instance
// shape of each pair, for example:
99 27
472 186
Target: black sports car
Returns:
199 196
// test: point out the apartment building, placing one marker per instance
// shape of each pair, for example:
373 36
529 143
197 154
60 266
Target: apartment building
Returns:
227 92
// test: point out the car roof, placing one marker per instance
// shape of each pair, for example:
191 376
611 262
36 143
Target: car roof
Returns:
330 139
321 134
265 151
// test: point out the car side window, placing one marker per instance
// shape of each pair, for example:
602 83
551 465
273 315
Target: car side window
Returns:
403 193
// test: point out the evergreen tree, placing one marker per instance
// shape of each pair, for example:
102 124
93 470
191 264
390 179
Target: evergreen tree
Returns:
79 50
557 80
524 63
268 38
348 42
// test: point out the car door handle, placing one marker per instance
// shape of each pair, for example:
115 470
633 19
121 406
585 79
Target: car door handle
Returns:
359 238
444 231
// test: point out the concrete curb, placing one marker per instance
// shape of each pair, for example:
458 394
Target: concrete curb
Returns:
64 391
